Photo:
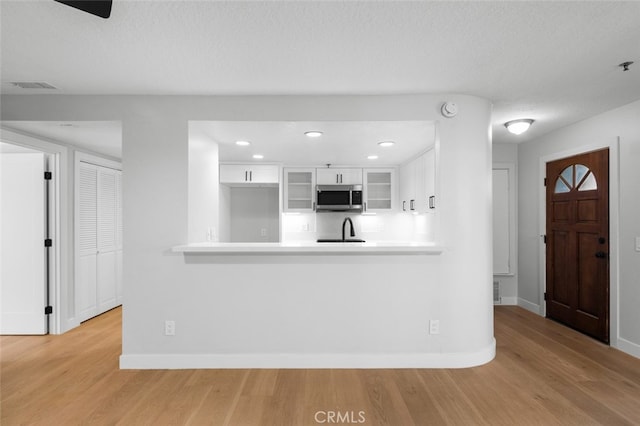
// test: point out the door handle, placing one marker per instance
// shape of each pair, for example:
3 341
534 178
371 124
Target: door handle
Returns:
601 255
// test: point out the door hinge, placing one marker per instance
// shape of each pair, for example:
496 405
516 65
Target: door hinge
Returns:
48 175
48 242
545 182
48 310
544 239
545 296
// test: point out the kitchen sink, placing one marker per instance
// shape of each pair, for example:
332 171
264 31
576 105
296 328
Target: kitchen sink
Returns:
338 240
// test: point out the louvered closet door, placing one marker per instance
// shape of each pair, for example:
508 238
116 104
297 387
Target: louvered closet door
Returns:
119 234
86 280
107 239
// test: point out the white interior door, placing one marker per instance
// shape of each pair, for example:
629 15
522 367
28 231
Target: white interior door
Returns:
22 251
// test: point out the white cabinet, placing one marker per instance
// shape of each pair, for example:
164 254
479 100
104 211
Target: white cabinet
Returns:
347 176
249 174
299 189
408 186
430 179
379 189
99 243
417 184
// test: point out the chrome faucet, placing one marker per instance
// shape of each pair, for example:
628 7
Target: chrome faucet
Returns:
344 223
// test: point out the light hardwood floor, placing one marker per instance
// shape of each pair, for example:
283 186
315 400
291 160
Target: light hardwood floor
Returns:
543 374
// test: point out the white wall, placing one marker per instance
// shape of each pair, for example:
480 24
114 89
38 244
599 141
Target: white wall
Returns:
454 287
603 130
203 189
254 209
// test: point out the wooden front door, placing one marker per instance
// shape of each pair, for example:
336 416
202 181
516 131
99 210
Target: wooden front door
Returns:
577 263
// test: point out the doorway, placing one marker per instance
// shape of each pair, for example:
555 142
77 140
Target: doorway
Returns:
25 240
577 242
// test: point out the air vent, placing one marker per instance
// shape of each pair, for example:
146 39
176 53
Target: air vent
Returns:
33 85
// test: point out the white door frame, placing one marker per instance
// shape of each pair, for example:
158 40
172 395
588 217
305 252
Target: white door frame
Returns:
614 227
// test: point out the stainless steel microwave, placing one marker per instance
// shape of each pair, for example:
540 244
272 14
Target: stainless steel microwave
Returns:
339 198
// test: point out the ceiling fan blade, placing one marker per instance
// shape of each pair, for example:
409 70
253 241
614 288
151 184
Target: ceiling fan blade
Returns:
95 7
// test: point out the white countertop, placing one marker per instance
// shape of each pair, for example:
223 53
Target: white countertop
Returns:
391 247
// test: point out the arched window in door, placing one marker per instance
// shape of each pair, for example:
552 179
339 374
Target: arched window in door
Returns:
576 176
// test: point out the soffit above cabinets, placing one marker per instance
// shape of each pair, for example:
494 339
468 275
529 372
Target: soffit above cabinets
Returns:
342 142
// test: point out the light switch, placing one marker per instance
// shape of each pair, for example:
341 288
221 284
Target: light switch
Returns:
637 243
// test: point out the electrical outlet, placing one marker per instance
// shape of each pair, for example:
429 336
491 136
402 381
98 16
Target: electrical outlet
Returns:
263 232
169 328
434 326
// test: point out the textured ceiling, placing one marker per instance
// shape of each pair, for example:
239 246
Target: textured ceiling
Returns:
556 62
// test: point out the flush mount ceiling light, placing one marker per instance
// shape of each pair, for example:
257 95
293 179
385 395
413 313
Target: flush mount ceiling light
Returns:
386 144
518 127
243 143
372 157
313 134
258 156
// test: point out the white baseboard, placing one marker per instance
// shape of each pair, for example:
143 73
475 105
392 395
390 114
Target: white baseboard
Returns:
536 309
205 361
507 301
631 348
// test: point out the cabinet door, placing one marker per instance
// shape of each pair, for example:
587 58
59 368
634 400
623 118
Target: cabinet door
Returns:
351 176
299 190
379 189
233 173
408 186
263 174
327 176
430 179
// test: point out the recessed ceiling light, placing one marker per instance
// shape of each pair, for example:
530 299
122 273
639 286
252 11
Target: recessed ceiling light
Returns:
518 127
243 143
386 144
372 157
313 134
258 156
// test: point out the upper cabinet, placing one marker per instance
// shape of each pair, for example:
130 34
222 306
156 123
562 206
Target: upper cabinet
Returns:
299 189
330 176
417 183
249 174
379 189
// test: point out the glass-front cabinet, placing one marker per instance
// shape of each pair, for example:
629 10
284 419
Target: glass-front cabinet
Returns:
379 189
299 189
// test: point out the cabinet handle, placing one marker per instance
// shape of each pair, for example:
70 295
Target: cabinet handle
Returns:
411 205
245 175
314 206
337 178
340 177
365 206
404 205
250 176
432 202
